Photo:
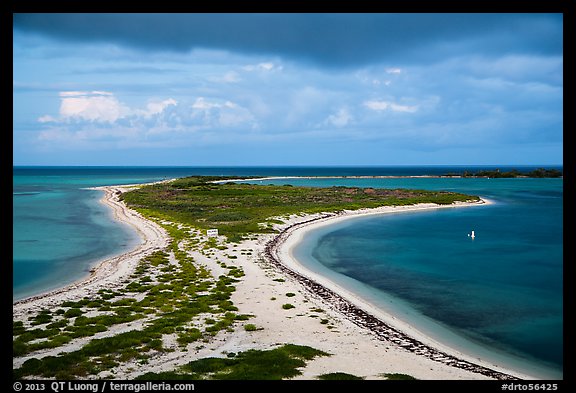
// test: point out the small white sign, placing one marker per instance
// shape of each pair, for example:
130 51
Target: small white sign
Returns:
212 232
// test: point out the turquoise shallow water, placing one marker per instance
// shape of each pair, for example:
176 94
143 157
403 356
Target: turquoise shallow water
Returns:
60 231
503 290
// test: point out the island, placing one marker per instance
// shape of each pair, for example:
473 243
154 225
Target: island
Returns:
191 302
514 173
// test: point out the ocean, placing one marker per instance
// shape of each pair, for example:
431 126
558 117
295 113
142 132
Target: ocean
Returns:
500 292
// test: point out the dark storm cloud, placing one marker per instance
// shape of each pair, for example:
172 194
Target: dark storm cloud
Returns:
327 39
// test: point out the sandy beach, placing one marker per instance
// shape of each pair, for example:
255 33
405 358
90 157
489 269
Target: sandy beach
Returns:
108 273
361 339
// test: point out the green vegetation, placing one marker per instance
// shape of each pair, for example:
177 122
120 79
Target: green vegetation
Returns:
398 377
274 364
18 328
496 173
42 317
236 210
174 297
250 327
287 306
73 312
339 377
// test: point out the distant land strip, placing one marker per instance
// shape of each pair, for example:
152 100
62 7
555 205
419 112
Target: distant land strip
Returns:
495 174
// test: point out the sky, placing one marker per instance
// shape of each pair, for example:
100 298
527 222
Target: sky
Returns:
287 89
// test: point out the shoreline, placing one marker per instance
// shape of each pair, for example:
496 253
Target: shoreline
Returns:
415 354
385 326
111 270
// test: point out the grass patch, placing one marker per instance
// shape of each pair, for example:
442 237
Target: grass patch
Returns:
338 376
18 328
42 317
73 312
180 295
275 364
398 377
287 306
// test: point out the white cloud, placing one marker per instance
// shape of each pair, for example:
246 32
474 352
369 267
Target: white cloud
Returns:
99 116
102 93
46 119
403 108
202 104
377 105
375 77
229 77
339 119
93 106
237 116
265 67
221 114
101 107
72 93
155 108
388 105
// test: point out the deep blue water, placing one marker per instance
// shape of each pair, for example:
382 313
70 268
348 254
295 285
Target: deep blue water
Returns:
503 289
